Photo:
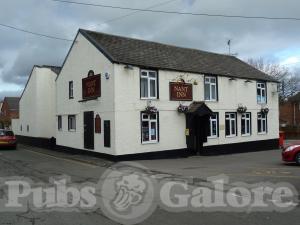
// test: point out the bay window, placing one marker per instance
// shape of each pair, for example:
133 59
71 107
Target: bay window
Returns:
149 128
230 124
148 84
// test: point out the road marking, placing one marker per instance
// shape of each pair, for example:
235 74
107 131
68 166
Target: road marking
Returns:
63 159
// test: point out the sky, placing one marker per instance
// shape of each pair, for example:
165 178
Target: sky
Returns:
273 40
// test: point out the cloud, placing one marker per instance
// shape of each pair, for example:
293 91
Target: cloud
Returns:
250 38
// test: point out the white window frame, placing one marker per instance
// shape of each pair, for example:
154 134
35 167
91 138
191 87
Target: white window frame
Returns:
71 129
244 117
59 123
148 83
262 118
261 90
211 126
230 125
208 80
71 89
149 120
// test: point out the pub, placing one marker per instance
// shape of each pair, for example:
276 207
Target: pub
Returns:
122 96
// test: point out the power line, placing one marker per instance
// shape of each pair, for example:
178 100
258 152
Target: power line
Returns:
179 13
35 33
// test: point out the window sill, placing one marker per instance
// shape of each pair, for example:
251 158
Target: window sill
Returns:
149 142
246 135
72 131
212 137
262 133
154 98
231 136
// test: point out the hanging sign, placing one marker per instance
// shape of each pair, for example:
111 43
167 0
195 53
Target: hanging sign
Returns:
91 87
181 91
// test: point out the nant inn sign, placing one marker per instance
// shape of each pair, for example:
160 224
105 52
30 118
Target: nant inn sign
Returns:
181 91
91 87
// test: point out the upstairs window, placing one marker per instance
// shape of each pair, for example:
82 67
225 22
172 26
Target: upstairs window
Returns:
72 123
210 88
261 92
230 124
149 128
213 126
71 90
246 124
262 123
59 123
148 84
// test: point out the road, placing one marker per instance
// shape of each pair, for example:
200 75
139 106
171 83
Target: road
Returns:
39 165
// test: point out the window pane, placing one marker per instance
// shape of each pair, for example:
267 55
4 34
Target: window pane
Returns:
232 127
259 125
232 116
144 87
152 88
214 128
213 80
243 126
227 125
213 92
264 126
248 127
207 91
152 74
153 130
153 116
144 73
145 131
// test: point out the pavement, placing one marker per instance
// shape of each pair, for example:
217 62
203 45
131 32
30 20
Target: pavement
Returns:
40 164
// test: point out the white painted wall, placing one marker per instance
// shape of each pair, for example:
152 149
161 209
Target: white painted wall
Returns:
82 58
172 124
37 105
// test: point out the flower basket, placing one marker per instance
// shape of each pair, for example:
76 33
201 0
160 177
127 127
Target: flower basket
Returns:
150 110
182 108
241 109
264 110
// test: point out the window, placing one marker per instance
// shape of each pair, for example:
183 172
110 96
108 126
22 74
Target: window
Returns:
71 90
21 128
149 128
27 128
261 92
230 124
59 123
148 84
261 123
213 126
246 124
210 88
72 123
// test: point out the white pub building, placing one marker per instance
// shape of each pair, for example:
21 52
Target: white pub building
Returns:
122 96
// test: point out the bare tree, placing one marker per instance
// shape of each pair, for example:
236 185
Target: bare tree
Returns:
288 81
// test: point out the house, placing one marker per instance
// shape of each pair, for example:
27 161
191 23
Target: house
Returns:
289 111
37 120
123 96
9 111
1 124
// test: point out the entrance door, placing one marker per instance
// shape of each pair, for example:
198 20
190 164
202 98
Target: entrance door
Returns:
198 132
88 124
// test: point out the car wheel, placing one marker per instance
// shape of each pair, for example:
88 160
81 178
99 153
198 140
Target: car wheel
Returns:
298 158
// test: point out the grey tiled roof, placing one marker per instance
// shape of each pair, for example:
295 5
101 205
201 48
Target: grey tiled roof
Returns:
13 102
161 56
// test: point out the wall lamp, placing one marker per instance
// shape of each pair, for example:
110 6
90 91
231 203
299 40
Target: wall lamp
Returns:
232 78
128 67
248 81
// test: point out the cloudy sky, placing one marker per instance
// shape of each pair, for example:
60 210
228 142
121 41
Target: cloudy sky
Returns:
274 40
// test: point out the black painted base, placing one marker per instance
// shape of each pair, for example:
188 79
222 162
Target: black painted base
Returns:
176 153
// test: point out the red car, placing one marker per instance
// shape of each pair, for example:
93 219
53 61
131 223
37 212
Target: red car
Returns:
8 139
291 153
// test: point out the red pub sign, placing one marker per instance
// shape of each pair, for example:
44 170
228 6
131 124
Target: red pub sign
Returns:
181 91
91 87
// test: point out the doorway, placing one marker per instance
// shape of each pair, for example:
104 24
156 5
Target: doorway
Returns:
88 124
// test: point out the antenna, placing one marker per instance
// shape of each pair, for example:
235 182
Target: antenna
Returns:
229 48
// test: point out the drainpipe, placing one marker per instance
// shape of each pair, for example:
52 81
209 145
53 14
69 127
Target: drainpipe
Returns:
294 114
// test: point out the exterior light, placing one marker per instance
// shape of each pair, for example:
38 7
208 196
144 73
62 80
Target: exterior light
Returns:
232 78
248 81
128 67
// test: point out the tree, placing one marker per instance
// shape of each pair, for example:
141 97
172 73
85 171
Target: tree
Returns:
288 81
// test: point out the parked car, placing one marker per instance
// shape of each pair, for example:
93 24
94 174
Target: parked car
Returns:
291 153
8 139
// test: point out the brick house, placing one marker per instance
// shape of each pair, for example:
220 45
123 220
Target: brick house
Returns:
9 110
289 111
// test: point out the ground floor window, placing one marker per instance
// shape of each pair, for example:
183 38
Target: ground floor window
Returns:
262 123
149 127
230 124
59 123
246 124
71 122
213 126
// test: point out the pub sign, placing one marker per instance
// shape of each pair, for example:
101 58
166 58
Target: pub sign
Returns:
91 87
180 91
